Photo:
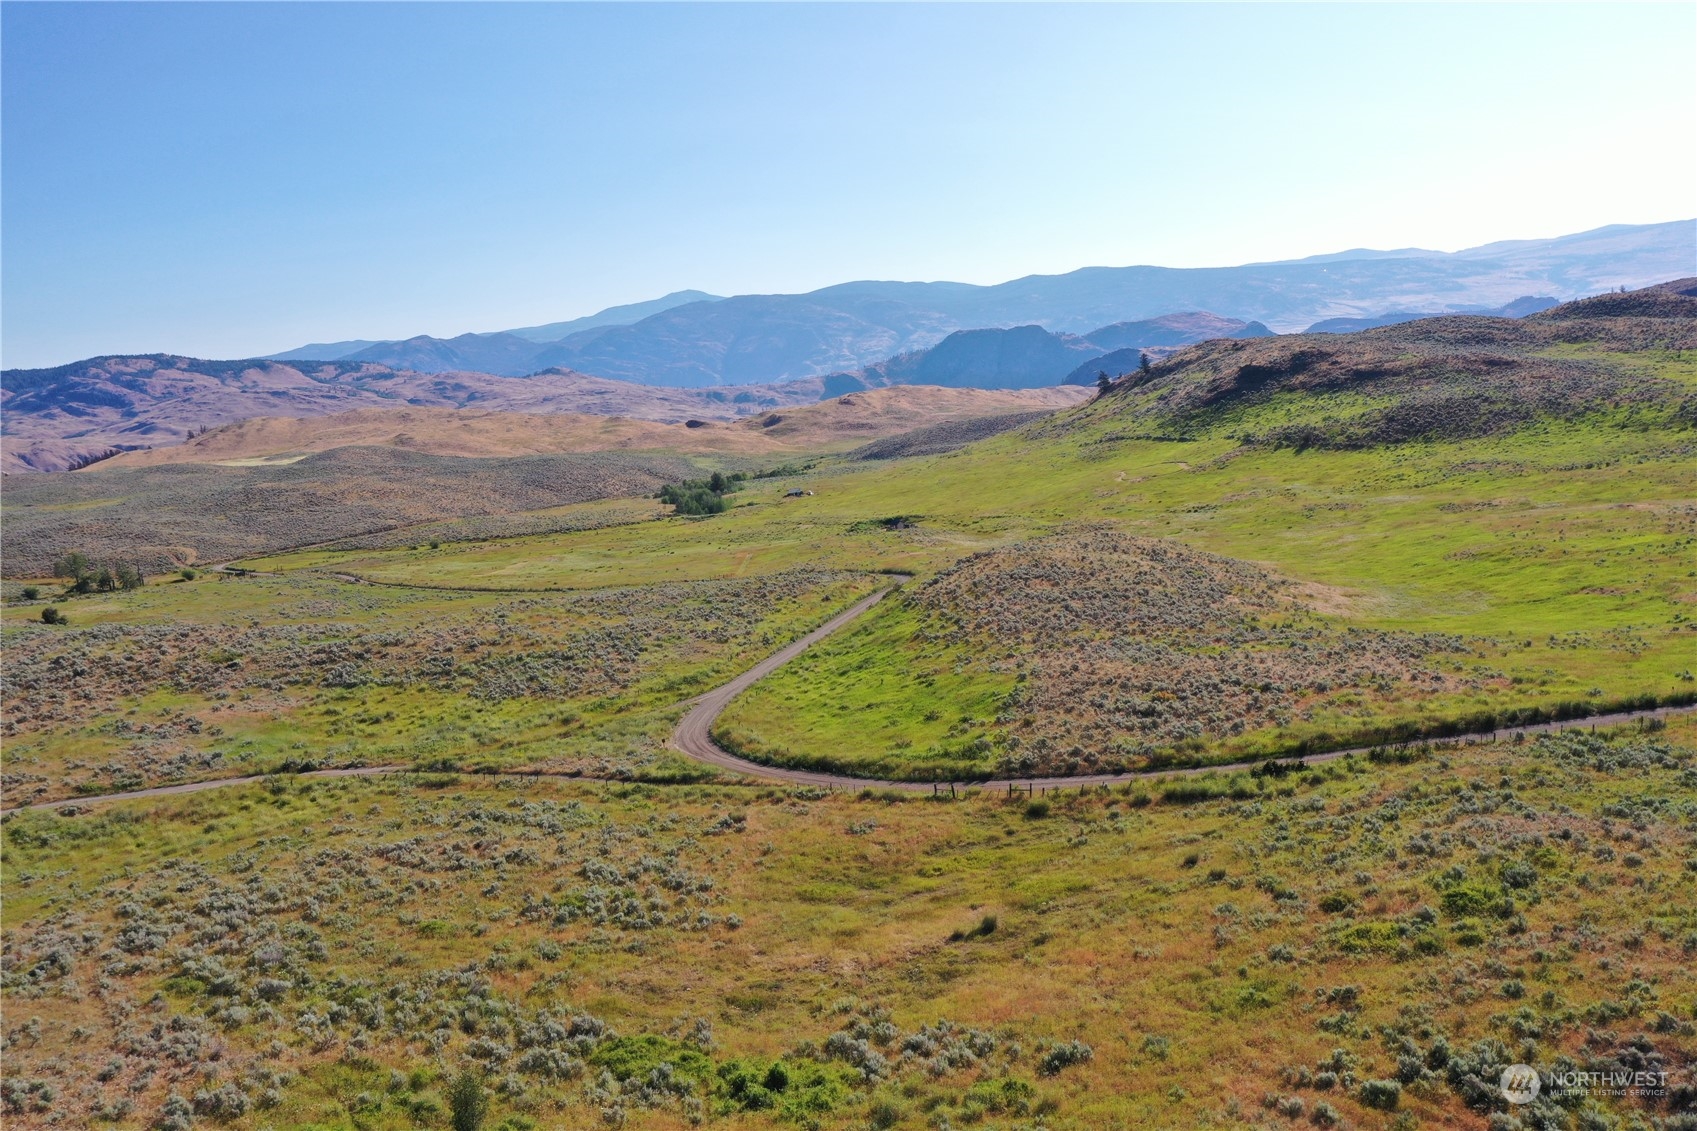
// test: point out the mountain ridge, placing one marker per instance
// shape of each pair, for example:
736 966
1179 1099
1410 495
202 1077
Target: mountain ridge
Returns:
751 339
1032 357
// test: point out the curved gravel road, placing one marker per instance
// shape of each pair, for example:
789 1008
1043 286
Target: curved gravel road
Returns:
694 738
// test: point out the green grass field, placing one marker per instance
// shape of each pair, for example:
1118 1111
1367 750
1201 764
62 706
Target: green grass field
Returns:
1562 553
1108 959
225 676
1573 578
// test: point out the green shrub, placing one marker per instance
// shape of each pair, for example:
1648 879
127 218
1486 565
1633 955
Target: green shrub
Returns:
1472 899
1369 938
1008 1096
1381 1094
1063 1055
799 1090
884 1113
636 1057
467 1101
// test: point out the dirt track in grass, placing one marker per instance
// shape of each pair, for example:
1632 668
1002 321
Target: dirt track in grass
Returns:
694 738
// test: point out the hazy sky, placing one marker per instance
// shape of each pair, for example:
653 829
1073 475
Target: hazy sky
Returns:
224 180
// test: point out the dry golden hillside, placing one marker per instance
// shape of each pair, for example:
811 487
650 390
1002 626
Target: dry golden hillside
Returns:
840 423
443 432
859 417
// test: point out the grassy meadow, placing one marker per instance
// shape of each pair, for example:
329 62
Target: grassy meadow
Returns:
229 675
1560 556
1365 945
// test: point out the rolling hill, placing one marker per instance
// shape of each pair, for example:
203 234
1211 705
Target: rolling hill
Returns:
1435 378
58 418
828 425
273 483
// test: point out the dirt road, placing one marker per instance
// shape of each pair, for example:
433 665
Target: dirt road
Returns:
693 737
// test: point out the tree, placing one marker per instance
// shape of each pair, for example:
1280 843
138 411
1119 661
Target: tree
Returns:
129 576
1142 364
105 580
1103 382
187 574
72 566
694 497
51 615
468 1102
30 593
717 483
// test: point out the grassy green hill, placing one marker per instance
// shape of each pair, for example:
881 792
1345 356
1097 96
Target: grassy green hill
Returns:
1254 548
1455 520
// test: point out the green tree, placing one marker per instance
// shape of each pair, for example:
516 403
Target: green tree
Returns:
105 580
51 615
717 483
1143 363
72 566
692 498
30 593
467 1101
187 574
1103 382
129 576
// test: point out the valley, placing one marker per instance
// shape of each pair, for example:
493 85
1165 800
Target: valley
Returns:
1255 551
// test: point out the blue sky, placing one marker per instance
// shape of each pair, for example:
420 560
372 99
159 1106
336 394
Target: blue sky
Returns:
224 180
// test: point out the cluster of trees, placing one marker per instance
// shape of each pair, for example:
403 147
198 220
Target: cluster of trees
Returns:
1105 382
84 576
702 496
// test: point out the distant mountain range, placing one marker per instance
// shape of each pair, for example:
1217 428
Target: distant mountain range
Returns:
781 350
689 339
1519 308
502 348
1030 357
